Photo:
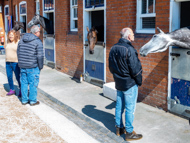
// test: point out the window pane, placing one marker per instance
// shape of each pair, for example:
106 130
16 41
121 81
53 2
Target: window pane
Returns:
90 3
76 2
150 6
143 6
76 23
6 11
75 13
23 9
37 7
48 5
148 22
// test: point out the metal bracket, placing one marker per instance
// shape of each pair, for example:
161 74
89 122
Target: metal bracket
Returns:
175 54
86 74
189 91
177 100
104 44
93 67
187 111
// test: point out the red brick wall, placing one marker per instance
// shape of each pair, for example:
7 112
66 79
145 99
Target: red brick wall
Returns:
69 45
119 14
122 14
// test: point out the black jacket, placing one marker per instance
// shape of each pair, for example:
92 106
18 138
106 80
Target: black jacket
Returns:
30 52
125 65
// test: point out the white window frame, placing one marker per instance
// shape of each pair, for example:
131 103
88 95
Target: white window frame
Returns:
37 8
72 19
20 15
139 17
16 12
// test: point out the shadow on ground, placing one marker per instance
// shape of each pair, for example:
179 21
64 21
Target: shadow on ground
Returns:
75 79
7 89
106 118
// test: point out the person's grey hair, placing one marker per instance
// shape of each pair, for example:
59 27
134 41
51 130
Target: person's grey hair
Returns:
34 29
125 32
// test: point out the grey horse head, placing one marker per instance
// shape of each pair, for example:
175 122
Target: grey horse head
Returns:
160 42
37 19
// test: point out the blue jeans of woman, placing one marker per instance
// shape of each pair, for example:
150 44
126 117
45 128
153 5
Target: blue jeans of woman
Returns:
29 77
10 68
126 100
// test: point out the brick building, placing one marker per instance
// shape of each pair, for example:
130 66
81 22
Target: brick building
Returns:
69 51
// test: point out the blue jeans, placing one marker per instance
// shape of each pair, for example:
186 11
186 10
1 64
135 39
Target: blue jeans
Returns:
10 67
126 100
29 77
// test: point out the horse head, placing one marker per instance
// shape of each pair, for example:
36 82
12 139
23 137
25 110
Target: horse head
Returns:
37 19
92 39
44 22
158 43
18 25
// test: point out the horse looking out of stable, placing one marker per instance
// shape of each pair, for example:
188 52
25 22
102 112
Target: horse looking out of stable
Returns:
17 26
92 38
161 41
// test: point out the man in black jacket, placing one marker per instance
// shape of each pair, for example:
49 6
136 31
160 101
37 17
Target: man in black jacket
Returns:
127 73
30 60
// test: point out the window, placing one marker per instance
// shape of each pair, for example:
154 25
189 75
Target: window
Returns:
23 14
48 5
74 15
23 8
94 3
37 7
146 16
6 10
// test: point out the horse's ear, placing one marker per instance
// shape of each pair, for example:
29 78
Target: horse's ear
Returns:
96 31
159 30
87 29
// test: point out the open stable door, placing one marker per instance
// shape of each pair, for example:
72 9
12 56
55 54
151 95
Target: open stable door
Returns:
179 101
94 63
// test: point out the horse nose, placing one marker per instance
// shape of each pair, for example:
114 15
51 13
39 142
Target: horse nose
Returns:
142 54
30 24
91 51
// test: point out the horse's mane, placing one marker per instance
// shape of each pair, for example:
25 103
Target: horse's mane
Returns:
182 34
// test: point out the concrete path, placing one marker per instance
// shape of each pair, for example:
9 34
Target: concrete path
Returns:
88 100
